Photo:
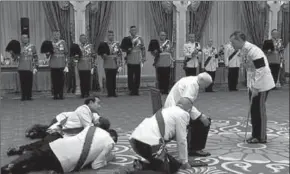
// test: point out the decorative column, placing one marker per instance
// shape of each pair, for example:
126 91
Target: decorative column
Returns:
179 35
273 16
80 28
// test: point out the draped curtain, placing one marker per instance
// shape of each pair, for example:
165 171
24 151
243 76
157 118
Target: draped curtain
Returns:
256 21
98 22
163 21
285 28
59 19
199 19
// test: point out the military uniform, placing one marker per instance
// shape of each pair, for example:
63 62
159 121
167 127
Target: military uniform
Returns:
210 64
85 65
192 53
28 61
258 77
233 62
163 64
58 62
134 60
111 64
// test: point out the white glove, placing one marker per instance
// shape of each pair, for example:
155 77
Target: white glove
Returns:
92 71
34 71
119 69
65 69
142 64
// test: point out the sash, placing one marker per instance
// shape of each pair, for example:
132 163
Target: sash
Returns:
164 44
134 40
207 61
233 54
160 122
86 148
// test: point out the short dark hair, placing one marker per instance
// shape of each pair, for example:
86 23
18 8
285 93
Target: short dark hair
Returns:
111 31
239 35
274 30
113 133
83 35
104 123
133 26
91 98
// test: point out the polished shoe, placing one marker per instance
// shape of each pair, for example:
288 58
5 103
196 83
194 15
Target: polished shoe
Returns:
199 153
14 151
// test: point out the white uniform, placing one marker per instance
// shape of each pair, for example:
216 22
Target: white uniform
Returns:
259 76
213 62
76 120
235 60
68 150
176 121
188 49
185 87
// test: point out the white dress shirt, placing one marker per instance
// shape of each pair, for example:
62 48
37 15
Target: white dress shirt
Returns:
68 150
235 61
188 49
185 87
213 63
176 121
76 120
258 78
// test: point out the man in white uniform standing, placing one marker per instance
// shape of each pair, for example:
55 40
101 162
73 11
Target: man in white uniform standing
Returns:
259 82
199 123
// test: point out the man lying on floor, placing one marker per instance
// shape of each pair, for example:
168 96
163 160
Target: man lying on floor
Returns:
69 124
149 138
93 146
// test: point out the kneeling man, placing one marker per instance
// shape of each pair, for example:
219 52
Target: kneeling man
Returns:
199 123
93 146
167 124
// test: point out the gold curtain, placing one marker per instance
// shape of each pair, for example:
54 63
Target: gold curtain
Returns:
10 28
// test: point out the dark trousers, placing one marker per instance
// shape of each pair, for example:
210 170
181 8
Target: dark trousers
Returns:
258 115
57 79
111 75
35 145
26 80
233 77
85 82
163 77
197 135
190 71
275 71
212 74
39 159
146 151
134 75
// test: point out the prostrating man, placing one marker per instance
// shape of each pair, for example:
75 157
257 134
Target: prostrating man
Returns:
210 62
69 124
93 146
192 52
112 55
259 83
162 53
274 51
233 63
26 56
85 56
199 124
58 62
135 58
154 132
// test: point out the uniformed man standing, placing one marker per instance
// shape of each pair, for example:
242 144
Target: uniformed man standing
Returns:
210 62
112 63
58 65
163 61
192 52
28 63
86 65
259 82
135 59
232 62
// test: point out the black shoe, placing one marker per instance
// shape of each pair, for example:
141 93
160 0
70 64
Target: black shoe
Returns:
199 153
61 97
55 97
14 151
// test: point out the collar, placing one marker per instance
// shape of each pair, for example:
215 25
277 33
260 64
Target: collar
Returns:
86 106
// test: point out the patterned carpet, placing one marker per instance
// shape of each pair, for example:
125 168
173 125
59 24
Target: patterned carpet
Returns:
229 153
